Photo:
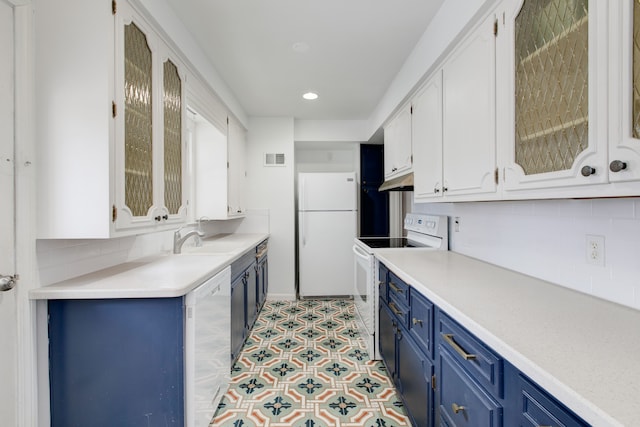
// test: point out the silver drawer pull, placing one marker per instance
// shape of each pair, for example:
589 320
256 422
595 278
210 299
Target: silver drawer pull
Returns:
457 408
395 288
417 321
449 338
395 309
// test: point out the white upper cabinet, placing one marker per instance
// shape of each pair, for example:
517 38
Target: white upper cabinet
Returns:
554 69
427 140
219 170
624 60
469 108
397 144
110 122
149 124
237 173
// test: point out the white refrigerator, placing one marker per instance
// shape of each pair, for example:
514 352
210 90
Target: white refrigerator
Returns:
327 225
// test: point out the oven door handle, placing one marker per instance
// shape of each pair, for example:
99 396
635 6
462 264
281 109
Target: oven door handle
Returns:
360 253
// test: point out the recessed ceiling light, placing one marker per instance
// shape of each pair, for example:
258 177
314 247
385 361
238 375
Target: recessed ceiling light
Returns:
310 96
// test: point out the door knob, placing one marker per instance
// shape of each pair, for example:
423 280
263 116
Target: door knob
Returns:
587 171
617 166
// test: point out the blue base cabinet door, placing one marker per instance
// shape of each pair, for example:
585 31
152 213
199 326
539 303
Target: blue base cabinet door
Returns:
388 328
251 283
238 315
116 362
414 374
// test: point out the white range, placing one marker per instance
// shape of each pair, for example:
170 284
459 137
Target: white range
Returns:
423 231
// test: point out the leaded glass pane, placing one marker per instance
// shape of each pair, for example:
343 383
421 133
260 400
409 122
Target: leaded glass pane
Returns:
551 84
138 143
636 69
172 138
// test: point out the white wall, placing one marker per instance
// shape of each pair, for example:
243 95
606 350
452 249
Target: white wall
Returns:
547 239
331 130
272 188
327 157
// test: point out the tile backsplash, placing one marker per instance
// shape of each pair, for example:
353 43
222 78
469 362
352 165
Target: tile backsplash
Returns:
548 239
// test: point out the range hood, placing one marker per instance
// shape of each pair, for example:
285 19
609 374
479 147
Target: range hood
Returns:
400 183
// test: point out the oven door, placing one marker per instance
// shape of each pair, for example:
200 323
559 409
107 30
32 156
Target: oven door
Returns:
364 295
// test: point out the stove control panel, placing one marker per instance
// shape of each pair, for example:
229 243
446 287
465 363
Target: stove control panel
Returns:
434 225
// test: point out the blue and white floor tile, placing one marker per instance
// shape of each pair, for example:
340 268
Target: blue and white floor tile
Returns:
304 365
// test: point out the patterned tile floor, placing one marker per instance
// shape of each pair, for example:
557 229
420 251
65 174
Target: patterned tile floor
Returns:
304 365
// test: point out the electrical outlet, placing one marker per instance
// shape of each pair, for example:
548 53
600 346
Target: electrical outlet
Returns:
595 250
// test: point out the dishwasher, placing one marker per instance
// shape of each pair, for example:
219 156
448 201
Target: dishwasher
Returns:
207 347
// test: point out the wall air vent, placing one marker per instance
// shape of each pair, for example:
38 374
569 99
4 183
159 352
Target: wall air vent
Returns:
274 159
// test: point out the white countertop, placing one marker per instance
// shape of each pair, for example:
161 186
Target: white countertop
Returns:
162 276
583 350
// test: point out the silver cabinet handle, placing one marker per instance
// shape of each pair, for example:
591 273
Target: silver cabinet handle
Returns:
449 339
617 166
7 282
587 171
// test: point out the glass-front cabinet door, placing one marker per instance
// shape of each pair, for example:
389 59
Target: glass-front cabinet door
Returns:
624 48
149 127
554 132
173 197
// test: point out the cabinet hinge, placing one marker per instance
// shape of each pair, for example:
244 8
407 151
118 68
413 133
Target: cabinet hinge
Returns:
114 213
433 382
114 109
496 175
114 7
411 109
227 165
495 28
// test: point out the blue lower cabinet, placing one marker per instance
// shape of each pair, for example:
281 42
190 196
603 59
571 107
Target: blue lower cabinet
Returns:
461 401
116 362
414 375
252 296
238 301
262 280
387 342
467 383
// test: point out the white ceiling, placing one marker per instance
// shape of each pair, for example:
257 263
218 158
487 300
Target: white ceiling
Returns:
355 49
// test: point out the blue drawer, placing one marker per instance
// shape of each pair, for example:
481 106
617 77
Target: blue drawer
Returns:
485 366
537 408
399 309
462 401
399 289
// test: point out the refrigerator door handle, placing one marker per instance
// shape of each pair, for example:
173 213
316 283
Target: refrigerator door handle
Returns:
304 234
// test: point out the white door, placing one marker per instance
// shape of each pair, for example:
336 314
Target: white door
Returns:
427 140
8 316
327 192
469 151
326 258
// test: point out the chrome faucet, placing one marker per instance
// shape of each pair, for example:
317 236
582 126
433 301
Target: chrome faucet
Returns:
179 240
